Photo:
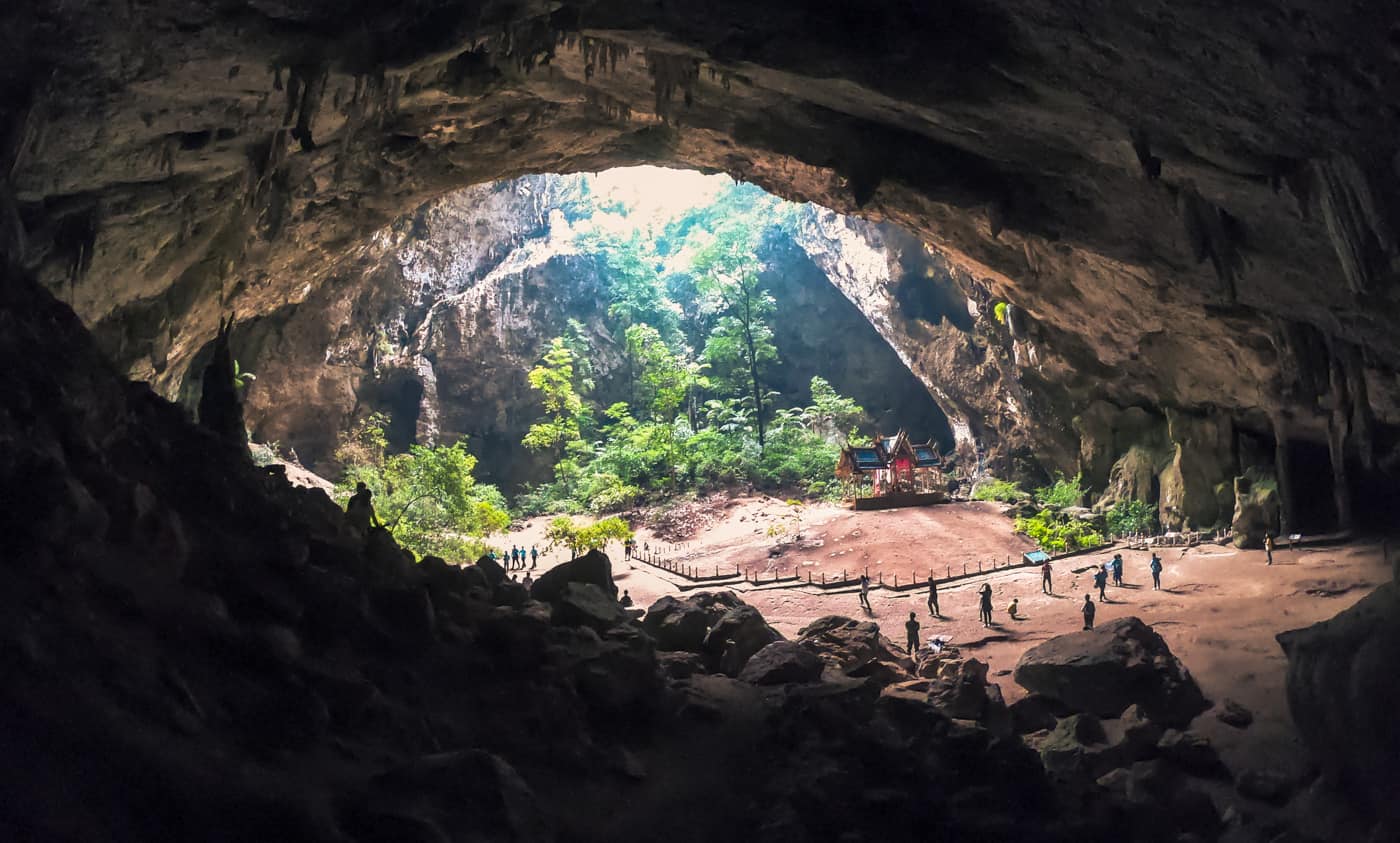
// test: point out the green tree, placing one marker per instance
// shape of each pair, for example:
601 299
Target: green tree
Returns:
427 498
553 378
832 414
740 348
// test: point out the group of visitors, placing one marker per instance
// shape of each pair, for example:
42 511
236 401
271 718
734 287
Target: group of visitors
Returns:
1110 570
515 560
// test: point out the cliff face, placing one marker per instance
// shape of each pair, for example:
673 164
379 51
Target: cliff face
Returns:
1192 208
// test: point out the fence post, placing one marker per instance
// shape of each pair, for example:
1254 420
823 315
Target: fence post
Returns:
896 580
979 566
964 569
823 577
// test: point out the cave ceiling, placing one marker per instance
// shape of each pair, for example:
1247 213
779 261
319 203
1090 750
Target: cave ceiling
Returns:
1192 203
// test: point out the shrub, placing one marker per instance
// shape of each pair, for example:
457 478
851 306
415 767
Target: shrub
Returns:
1058 532
1062 493
999 311
1131 516
992 489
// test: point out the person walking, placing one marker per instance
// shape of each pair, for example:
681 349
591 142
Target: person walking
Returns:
1118 569
986 603
534 556
1155 566
1269 549
933 597
865 592
911 635
1046 586
1088 612
1101 582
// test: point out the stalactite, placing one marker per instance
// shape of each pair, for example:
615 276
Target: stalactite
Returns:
671 72
1337 430
1361 234
1212 233
1362 419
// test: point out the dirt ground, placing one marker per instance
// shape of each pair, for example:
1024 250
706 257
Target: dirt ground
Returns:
1219 607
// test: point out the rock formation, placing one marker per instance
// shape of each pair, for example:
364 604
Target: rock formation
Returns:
1219 256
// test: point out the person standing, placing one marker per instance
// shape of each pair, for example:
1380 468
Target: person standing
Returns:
1269 549
1046 585
1118 569
933 597
534 556
986 603
1156 567
1101 582
1088 612
911 635
865 592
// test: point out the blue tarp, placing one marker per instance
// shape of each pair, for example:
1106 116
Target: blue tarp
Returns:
1036 557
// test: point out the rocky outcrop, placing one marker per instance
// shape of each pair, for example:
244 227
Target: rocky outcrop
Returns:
593 568
1257 510
1104 670
780 663
1341 692
1213 255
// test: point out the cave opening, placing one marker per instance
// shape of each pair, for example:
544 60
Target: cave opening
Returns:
1311 484
462 298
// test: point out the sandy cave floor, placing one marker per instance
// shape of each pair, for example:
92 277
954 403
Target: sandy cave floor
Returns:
1219 608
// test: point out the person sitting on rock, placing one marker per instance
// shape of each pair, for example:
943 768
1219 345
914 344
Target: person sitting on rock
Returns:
1101 582
1088 612
911 629
1011 610
528 581
626 600
359 510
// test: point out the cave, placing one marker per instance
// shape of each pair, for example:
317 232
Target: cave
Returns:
1147 250
1311 487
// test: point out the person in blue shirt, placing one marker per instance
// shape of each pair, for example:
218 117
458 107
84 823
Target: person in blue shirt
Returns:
1156 567
1101 582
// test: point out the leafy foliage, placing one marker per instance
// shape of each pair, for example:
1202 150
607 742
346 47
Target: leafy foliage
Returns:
427 498
1057 532
999 312
580 538
992 489
1131 517
699 411
1062 493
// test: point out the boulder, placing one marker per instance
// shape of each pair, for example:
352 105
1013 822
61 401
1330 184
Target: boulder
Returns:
510 593
679 665
677 624
592 568
1104 670
782 663
746 628
581 604
1073 745
1232 713
1036 713
1342 686
960 690
850 646
1192 753
491 570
